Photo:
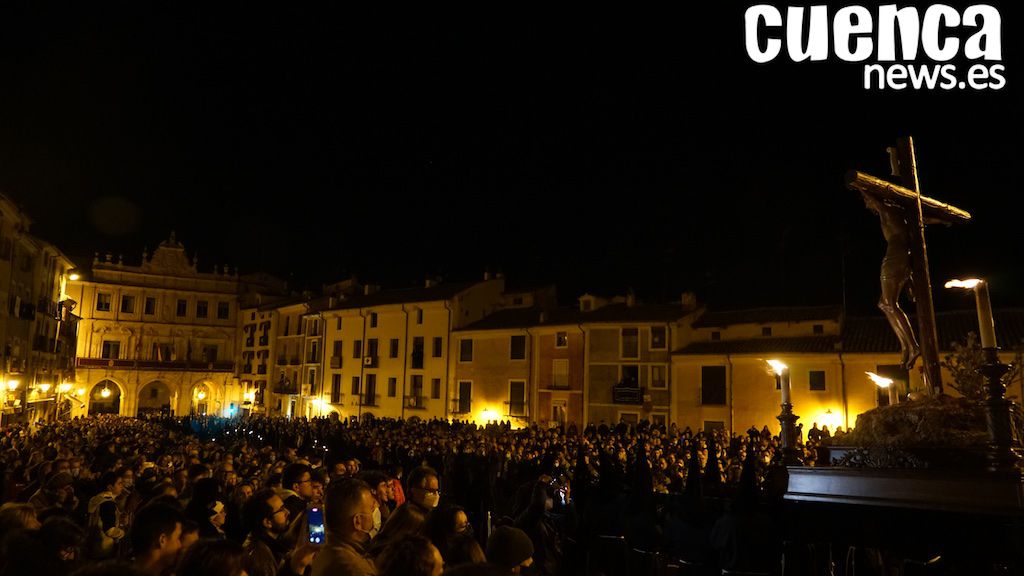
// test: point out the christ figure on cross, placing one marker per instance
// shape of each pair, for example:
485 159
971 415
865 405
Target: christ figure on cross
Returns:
896 273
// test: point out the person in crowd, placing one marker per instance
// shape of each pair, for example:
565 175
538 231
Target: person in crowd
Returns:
510 548
106 528
412 556
348 520
156 538
213 558
297 488
424 489
267 552
444 525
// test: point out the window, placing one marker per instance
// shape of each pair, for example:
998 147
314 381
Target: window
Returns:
312 381
182 307
658 338
631 375
111 349
716 336
337 353
286 323
816 378
819 329
314 352
766 331
338 327
518 348
336 389
658 379
370 398
659 419
127 304
209 353
202 309
371 347
314 326
438 347
517 301
630 343
357 349
435 388
517 398
223 310
465 400
355 385
392 387
417 352
561 339
629 417
393 348
102 302
416 390
560 373
373 319
466 350
150 306
419 316
712 385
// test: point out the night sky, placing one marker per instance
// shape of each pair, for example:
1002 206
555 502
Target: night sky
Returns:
601 151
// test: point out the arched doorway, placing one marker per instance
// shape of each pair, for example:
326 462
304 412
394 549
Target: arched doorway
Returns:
154 398
105 398
201 399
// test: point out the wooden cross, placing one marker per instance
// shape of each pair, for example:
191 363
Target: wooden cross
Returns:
918 210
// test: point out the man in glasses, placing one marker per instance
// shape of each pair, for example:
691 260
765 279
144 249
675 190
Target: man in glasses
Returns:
424 489
266 551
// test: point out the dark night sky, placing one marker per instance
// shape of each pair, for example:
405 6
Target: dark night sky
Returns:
600 151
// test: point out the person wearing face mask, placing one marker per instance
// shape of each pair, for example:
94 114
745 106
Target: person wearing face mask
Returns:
348 519
424 489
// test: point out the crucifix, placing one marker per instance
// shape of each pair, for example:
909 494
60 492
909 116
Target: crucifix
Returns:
903 213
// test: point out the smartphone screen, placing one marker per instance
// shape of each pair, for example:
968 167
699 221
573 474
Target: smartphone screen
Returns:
316 525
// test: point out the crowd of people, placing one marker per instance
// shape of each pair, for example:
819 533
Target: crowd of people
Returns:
274 496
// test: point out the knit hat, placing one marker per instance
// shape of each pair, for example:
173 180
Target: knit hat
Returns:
508 546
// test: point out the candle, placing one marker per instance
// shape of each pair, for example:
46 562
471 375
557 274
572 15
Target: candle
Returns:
785 386
985 322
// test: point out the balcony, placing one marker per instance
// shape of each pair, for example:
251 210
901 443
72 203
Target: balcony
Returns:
285 387
249 342
369 400
247 369
556 385
461 405
416 402
627 393
335 361
312 359
294 361
264 340
261 369
169 366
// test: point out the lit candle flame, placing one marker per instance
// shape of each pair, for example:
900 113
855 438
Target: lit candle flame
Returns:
881 381
968 284
777 366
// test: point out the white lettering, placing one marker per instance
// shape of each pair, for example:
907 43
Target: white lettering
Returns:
817 36
874 68
930 39
752 18
910 27
990 33
844 28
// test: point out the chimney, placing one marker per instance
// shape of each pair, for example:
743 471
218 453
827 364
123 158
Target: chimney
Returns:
543 317
689 301
487 275
630 299
428 282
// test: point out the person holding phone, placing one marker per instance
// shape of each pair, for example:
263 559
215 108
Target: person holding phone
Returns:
348 518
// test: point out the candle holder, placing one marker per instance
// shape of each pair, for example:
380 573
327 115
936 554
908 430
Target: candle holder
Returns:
790 453
1003 449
